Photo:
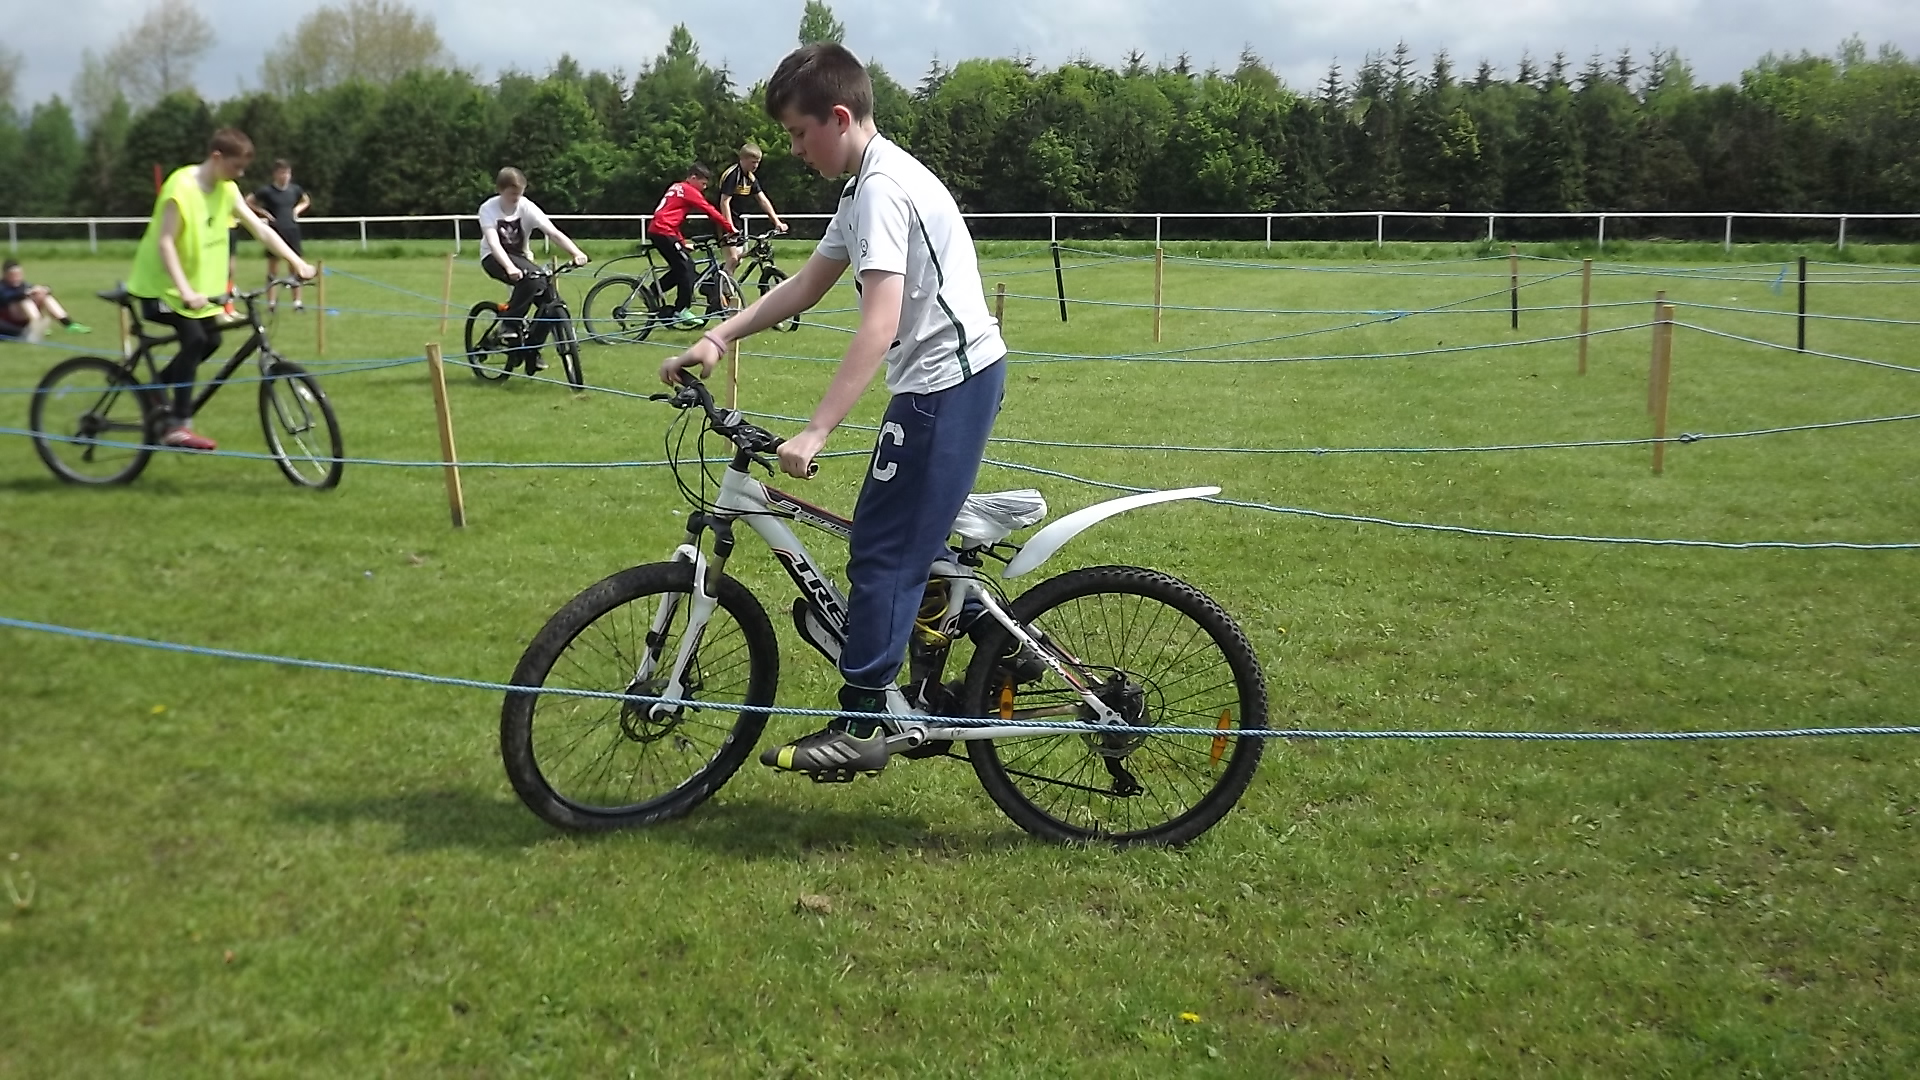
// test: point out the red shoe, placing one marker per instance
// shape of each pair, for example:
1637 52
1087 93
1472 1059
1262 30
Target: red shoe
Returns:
188 439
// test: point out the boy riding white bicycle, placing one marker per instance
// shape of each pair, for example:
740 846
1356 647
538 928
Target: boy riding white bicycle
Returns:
923 316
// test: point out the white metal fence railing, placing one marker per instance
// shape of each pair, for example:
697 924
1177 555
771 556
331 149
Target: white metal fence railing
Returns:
460 227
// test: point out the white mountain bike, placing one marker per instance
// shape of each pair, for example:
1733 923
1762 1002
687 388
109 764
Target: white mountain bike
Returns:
1117 646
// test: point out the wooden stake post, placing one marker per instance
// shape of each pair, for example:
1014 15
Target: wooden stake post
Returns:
446 295
1653 361
456 502
1586 309
1513 271
1663 380
1000 304
320 309
733 375
1159 278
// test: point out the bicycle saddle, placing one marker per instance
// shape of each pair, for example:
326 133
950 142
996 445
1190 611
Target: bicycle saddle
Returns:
117 295
992 517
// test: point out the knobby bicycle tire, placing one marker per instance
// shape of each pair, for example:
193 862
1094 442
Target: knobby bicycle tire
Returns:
303 435
485 355
769 277
576 761
1186 664
111 407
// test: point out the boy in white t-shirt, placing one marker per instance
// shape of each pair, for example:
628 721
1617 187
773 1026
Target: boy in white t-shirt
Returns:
507 222
924 316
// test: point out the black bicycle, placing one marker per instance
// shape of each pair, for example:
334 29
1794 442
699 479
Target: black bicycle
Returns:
96 421
496 344
625 307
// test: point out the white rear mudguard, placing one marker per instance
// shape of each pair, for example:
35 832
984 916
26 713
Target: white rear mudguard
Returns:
1055 536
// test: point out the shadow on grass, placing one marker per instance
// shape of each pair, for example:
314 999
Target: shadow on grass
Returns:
752 827
433 820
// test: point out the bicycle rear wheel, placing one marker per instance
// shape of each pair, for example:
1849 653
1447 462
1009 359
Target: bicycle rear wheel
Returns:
302 434
600 763
92 424
769 277
487 355
1159 653
621 309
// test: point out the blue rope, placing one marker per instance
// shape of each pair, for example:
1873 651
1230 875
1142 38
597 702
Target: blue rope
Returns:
1462 530
245 455
1050 358
1320 451
357 367
1795 314
1789 348
434 300
1256 733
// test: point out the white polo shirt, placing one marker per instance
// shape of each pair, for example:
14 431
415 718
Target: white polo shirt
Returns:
896 216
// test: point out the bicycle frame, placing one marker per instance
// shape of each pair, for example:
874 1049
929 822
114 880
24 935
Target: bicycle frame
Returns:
767 511
256 343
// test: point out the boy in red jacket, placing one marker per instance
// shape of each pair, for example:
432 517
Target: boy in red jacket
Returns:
664 231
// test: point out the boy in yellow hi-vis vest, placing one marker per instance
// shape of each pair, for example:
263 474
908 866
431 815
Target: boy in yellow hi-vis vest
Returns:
182 262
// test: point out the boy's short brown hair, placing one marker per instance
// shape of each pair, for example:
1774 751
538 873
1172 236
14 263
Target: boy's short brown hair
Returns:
230 143
815 78
510 177
282 163
699 170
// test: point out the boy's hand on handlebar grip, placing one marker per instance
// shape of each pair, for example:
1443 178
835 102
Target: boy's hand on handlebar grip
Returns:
797 454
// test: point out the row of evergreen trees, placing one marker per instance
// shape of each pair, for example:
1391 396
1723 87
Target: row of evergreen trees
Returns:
1805 133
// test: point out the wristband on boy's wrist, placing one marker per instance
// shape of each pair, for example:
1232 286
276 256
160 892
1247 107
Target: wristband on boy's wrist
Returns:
718 342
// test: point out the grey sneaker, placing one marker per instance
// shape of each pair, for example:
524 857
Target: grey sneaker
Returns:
831 756
835 754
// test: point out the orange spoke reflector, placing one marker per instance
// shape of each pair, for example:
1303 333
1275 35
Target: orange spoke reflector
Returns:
1220 741
1006 700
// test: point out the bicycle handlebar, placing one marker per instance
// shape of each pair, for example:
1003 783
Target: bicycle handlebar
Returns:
750 438
255 294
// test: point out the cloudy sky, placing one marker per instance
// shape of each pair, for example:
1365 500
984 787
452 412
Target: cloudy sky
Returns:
1298 37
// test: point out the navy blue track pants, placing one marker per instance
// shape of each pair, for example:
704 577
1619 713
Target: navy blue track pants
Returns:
923 468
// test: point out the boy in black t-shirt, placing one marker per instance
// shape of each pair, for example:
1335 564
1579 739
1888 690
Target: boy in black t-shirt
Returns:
281 203
740 184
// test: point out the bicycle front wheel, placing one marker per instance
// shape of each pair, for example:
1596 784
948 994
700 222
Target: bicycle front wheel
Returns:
1159 653
599 763
769 277
302 434
620 309
92 424
489 357
567 344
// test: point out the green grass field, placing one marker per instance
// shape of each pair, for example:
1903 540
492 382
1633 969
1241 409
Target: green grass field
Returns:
233 869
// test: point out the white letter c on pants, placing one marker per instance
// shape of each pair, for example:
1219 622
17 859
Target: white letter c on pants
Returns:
898 434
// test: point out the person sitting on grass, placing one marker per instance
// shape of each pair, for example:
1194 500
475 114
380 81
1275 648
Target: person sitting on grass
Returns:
182 261
507 222
24 305
663 230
